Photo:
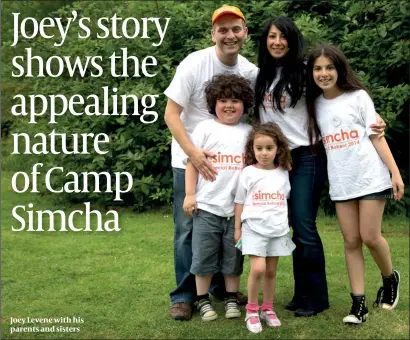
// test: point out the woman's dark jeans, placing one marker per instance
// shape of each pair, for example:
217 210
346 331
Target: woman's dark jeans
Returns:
307 179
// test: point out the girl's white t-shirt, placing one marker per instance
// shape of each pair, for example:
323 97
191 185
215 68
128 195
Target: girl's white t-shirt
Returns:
293 122
227 142
354 167
264 194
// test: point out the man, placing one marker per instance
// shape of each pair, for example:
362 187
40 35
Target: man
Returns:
186 107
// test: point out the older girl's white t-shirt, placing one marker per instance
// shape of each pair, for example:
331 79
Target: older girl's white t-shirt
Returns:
354 167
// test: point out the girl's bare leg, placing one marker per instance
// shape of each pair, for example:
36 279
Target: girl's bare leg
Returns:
348 216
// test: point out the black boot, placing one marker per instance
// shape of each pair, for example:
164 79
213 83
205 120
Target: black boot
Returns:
388 294
358 313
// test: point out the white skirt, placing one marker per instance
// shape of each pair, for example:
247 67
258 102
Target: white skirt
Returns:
258 245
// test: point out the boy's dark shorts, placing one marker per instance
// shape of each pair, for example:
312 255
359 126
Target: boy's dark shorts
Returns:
213 245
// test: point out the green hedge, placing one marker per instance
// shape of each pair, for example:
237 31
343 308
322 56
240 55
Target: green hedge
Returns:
373 34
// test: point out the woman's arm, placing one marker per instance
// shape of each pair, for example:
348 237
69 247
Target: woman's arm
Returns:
385 154
379 127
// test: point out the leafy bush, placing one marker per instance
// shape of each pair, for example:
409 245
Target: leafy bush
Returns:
373 34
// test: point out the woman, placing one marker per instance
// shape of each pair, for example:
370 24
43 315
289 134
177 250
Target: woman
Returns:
280 98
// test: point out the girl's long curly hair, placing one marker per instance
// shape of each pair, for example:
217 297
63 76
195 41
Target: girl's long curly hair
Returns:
283 157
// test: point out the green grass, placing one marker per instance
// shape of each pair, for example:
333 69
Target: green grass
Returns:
119 283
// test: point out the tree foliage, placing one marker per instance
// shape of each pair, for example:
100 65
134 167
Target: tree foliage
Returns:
373 34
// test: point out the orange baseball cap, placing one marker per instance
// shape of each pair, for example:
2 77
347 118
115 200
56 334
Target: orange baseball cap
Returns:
227 9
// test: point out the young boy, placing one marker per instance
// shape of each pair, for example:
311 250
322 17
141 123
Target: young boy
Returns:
228 97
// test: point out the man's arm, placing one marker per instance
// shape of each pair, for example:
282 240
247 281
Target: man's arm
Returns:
198 157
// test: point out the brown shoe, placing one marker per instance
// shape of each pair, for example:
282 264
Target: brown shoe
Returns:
242 299
181 311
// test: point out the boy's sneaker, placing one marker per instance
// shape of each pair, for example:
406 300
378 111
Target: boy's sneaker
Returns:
270 318
231 308
358 313
206 311
253 323
388 294
240 297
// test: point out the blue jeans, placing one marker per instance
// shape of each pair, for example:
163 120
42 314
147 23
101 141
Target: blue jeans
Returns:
307 179
183 224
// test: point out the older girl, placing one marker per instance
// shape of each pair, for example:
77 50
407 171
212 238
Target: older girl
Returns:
358 167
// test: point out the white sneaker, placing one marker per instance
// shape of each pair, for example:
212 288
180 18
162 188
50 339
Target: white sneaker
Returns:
270 318
232 309
253 323
206 311
388 294
359 312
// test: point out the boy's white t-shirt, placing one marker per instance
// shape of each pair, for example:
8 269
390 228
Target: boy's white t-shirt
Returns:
187 89
354 167
227 142
293 122
264 194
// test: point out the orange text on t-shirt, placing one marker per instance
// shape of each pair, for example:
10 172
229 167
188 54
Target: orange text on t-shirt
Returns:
340 136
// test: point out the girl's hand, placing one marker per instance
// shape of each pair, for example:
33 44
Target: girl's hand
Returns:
190 205
398 186
238 234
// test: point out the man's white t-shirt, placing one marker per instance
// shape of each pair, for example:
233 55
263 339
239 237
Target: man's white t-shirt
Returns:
354 167
264 194
227 142
187 89
293 122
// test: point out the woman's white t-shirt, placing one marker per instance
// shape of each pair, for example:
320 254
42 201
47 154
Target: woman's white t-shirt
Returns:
293 122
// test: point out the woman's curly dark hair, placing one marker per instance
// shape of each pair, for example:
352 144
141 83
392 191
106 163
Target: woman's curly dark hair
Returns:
283 157
229 86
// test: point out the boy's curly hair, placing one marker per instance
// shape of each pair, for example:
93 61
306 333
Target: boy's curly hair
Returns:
229 86
283 157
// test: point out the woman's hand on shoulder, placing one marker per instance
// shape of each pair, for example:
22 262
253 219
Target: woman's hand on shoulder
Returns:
379 127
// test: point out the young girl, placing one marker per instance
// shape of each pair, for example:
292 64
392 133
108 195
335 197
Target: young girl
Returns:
261 217
358 167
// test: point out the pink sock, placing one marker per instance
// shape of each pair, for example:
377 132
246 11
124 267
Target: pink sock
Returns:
267 305
252 307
